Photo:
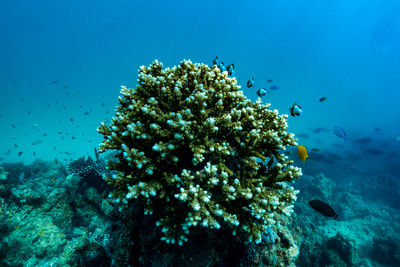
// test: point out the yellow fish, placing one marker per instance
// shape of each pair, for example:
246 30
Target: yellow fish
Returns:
302 152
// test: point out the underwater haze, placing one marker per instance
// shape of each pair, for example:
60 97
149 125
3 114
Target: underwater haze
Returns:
62 64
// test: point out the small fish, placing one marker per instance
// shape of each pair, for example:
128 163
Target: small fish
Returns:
86 113
262 92
44 134
302 152
54 82
323 208
295 110
269 81
34 143
250 83
274 87
215 61
34 153
375 152
315 150
322 99
60 132
231 69
73 137
19 153
13 125
221 66
102 104
71 119
364 140
339 132
15 145
377 129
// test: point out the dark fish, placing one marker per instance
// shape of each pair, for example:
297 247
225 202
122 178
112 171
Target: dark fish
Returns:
274 87
262 92
36 142
323 208
71 119
13 125
19 153
375 152
221 66
215 61
54 82
322 99
59 132
34 153
73 137
231 69
102 104
250 83
44 134
295 110
269 81
364 140
377 129
15 145
86 113
315 150
303 135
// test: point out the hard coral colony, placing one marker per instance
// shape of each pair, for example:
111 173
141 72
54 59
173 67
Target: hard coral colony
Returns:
194 151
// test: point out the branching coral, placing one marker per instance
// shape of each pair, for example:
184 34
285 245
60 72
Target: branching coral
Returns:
193 150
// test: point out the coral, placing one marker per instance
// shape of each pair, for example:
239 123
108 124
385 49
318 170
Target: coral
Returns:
192 150
3 174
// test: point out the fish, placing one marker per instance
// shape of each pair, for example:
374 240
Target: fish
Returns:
269 81
15 145
302 152
231 69
215 61
320 130
322 99
250 83
221 66
20 153
295 110
13 125
377 129
315 150
364 140
86 113
36 142
262 92
323 208
375 152
274 87
71 119
339 132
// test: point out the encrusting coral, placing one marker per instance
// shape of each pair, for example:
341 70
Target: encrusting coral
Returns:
194 151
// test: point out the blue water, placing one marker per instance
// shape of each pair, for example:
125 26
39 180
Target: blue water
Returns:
62 64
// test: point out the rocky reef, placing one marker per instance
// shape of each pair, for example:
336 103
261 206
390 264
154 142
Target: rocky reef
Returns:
191 150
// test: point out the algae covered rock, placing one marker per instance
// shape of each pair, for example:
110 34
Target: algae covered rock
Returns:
192 150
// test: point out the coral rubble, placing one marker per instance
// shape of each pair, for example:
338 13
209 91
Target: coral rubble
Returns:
192 150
